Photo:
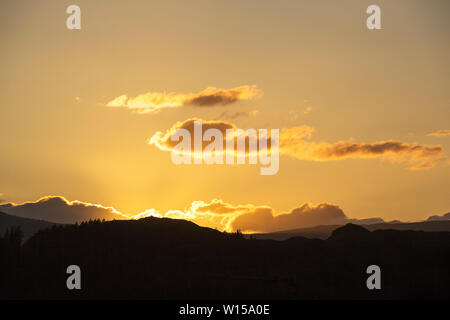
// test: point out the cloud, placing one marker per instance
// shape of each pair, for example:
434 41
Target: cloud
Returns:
307 110
238 115
296 142
211 96
216 213
213 214
440 133
60 210
252 218
164 142
419 157
368 221
217 142
443 217
264 220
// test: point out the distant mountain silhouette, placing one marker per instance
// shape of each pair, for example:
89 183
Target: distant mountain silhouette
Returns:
28 226
323 232
349 232
158 258
445 216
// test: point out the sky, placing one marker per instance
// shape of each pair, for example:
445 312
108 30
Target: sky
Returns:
363 114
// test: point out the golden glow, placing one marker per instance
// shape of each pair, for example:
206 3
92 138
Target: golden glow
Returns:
336 91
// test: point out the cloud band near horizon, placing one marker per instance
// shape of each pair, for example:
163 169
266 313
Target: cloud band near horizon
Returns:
216 213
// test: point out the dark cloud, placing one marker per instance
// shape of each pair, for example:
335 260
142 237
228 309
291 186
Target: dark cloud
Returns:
419 156
349 149
164 142
366 221
264 220
59 210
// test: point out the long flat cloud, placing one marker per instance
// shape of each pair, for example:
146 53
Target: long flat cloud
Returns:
419 157
209 97
296 142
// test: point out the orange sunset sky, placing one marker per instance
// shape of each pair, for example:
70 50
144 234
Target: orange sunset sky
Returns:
363 114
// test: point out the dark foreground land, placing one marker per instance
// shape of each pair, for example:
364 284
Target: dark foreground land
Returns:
172 259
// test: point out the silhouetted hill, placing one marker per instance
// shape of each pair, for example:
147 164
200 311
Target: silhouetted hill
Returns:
325 231
157 258
445 216
28 226
349 232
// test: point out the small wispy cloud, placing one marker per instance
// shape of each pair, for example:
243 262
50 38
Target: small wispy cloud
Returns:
294 115
440 133
239 114
307 110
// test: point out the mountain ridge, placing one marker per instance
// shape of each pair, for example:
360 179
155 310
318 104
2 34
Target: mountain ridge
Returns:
325 231
28 226
154 258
